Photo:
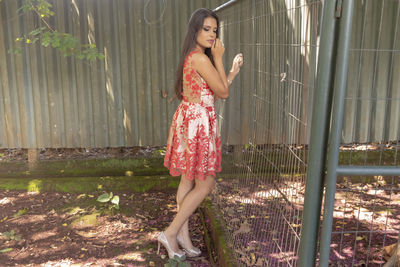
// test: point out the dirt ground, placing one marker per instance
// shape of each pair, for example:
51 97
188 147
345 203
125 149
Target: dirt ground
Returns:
262 222
7 155
64 229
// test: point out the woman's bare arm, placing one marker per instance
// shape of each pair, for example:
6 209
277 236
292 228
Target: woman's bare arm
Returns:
211 75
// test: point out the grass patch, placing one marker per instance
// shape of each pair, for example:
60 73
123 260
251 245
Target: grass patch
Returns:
90 184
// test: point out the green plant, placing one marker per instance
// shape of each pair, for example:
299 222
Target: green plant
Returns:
111 201
11 235
177 262
67 44
159 152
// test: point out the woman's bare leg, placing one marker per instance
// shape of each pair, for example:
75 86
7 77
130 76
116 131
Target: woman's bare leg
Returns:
191 201
184 188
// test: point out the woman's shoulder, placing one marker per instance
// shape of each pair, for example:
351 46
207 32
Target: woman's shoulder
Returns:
200 58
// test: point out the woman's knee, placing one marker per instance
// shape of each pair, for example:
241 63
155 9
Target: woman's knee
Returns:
186 182
207 185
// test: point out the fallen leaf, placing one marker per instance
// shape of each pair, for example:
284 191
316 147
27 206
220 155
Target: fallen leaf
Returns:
244 228
20 212
253 258
359 238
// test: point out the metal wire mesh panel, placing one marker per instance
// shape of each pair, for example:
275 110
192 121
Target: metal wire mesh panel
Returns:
367 208
366 217
261 197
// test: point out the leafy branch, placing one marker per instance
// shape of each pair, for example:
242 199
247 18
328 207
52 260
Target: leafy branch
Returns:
67 44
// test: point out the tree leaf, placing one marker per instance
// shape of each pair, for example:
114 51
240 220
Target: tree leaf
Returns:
104 197
115 200
5 250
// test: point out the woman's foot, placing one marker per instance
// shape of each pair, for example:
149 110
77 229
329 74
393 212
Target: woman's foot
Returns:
186 244
162 239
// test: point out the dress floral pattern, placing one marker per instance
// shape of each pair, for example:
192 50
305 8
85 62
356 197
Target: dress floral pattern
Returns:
194 143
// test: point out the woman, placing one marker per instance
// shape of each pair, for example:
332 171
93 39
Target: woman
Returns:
194 144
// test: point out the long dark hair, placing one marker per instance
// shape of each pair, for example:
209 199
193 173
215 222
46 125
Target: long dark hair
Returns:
195 24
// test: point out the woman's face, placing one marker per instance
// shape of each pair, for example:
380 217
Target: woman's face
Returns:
208 33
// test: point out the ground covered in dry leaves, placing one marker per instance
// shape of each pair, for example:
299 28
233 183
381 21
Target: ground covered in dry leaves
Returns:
62 229
65 229
265 219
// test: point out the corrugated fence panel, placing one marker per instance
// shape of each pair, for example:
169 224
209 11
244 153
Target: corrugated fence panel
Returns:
373 84
4 99
277 79
273 65
126 99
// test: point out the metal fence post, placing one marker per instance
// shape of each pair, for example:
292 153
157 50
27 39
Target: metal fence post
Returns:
335 135
318 140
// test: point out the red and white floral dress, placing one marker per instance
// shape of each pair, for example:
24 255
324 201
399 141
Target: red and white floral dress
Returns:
194 143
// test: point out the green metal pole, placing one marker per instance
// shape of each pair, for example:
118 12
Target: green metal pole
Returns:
318 140
368 170
335 136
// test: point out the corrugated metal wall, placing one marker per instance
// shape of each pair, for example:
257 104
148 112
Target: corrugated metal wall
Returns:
373 91
274 91
47 100
273 65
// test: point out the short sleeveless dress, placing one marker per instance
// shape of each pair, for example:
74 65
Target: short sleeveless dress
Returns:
194 143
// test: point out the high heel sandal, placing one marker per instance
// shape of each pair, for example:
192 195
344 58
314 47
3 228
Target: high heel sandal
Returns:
190 252
163 240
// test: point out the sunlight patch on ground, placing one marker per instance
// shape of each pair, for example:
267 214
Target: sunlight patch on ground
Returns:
290 190
43 235
29 219
360 147
62 263
35 185
6 200
85 221
283 256
136 256
270 194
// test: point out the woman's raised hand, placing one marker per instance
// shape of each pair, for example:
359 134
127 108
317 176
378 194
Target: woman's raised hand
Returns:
237 63
217 49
